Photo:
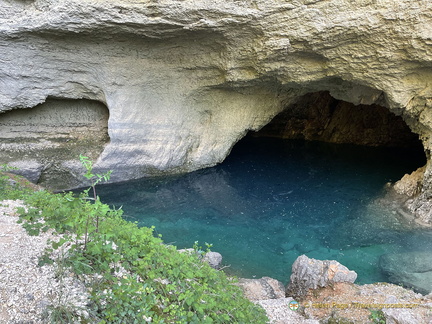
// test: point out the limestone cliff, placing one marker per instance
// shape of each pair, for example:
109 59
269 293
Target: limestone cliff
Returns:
182 81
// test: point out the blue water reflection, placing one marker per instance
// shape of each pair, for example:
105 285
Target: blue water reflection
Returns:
273 200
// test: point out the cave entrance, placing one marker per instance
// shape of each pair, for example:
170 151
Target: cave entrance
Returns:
320 117
323 192
272 200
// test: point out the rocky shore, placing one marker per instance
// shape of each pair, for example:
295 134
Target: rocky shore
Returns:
324 289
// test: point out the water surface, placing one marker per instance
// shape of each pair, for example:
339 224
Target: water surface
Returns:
273 200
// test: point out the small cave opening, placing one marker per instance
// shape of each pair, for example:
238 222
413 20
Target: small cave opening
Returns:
318 117
44 142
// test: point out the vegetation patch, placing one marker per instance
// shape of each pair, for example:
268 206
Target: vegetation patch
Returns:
377 316
131 275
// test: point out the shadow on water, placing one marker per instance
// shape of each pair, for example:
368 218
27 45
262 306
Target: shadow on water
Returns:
273 200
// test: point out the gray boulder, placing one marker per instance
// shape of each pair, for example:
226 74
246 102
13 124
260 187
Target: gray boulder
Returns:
312 274
30 169
214 259
402 316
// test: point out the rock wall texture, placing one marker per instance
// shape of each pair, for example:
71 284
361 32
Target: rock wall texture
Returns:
40 141
308 273
184 80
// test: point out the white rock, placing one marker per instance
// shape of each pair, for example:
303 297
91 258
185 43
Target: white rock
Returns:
183 82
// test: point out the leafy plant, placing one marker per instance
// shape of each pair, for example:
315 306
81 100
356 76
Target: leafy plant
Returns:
132 277
95 179
6 167
7 190
377 317
199 249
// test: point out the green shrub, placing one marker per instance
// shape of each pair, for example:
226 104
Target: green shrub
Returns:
7 189
135 277
377 317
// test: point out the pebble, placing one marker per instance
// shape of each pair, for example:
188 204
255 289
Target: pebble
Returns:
27 290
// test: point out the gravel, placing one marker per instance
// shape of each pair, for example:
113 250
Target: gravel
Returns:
278 312
28 292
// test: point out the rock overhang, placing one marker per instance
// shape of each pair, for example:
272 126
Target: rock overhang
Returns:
183 81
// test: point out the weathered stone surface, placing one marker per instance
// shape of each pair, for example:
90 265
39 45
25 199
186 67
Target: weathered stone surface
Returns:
410 184
351 303
264 288
183 81
310 273
412 269
401 316
30 169
45 142
214 259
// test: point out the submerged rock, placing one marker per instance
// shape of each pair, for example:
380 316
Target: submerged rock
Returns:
312 274
411 269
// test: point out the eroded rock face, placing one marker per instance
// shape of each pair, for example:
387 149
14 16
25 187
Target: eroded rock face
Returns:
308 273
183 81
410 184
44 143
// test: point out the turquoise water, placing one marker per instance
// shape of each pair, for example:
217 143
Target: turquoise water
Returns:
273 200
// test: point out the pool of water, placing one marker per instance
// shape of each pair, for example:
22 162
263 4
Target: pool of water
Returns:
273 200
